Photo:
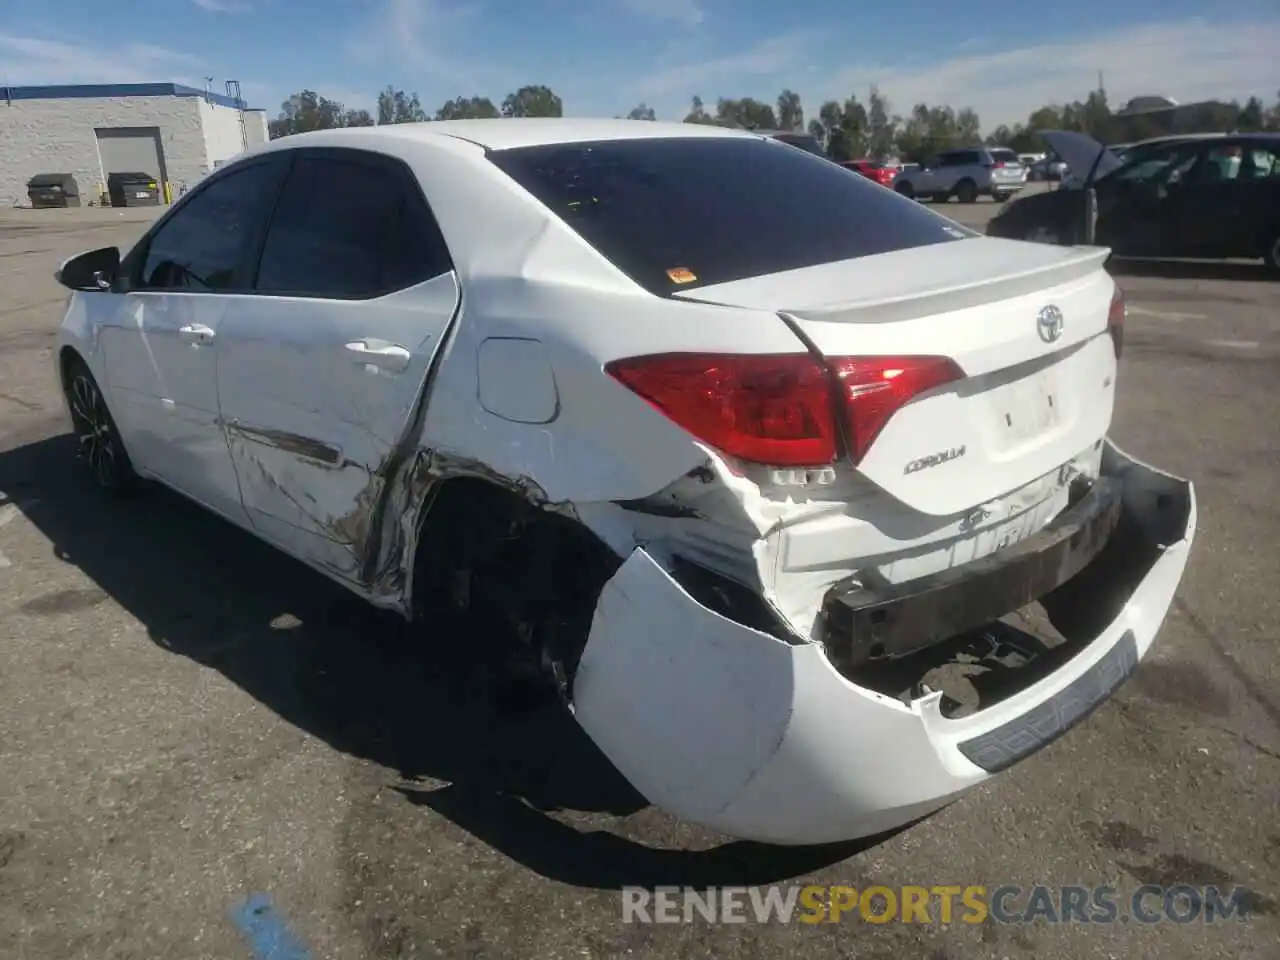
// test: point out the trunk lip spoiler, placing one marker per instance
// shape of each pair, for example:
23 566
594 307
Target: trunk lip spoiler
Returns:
1073 264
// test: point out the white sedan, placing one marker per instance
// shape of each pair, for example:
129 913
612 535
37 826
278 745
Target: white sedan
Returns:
800 492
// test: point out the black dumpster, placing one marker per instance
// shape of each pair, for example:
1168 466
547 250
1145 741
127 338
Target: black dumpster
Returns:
53 190
133 190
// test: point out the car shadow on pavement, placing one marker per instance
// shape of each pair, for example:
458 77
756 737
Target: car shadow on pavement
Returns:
1188 269
416 700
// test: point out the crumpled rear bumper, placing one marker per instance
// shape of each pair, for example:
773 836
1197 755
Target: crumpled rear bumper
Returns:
762 739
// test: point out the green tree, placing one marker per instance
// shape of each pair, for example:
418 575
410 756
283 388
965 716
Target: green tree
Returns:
698 112
841 129
968 127
882 129
1000 136
642 112
745 113
395 106
1095 116
1252 115
307 110
533 101
790 112
468 108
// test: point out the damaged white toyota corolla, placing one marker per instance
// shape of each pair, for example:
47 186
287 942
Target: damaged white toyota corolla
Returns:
800 492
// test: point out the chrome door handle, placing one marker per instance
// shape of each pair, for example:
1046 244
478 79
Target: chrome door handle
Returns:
196 333
379 353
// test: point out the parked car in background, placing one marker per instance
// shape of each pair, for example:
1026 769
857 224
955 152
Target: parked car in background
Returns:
1049 168
881 173
1029 159
1210 196
753 484
965 174
1003 156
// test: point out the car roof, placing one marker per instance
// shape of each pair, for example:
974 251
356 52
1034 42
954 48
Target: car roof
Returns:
505 133
1249 136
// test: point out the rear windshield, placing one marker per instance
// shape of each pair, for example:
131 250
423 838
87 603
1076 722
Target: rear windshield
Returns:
1005 156
679 213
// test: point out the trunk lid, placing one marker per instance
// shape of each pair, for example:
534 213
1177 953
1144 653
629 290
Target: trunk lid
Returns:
1034 395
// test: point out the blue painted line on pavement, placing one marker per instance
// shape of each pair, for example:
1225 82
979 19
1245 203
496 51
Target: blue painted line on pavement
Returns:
266 930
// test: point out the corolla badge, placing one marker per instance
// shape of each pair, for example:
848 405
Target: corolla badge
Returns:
1049 323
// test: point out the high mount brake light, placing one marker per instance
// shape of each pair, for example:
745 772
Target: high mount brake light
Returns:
777 409
1115 320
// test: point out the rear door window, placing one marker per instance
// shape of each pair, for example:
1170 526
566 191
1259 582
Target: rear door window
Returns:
679 213
349 226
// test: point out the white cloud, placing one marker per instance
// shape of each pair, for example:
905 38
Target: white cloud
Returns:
37 61
1188 60
775 57
222 6
687 13
419 38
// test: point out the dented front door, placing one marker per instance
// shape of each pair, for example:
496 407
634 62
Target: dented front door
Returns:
319 372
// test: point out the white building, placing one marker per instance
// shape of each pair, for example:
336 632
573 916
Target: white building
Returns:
172 132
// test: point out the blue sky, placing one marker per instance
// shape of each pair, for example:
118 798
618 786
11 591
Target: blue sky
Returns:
606 56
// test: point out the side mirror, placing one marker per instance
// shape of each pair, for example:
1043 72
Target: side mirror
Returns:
95 270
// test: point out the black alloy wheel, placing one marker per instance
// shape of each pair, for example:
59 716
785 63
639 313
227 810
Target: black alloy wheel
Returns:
97 439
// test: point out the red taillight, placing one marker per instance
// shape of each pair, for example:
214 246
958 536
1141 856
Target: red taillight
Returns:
763 408
1115 320
873 389
776 409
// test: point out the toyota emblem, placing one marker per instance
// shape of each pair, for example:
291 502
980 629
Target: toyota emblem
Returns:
1049 323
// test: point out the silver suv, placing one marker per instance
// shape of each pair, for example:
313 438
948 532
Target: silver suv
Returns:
965 174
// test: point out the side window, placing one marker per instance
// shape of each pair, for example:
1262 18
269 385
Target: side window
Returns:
1155 166
947 160
346 229
1261 163
201 246
1219 164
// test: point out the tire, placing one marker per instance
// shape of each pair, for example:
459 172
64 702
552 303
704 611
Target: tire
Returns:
98 443
966 191
905 189
1271 254
1000 197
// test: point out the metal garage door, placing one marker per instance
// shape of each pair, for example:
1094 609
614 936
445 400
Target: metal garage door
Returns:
131 150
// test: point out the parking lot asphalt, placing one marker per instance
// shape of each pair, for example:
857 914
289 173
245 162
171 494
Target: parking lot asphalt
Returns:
189 720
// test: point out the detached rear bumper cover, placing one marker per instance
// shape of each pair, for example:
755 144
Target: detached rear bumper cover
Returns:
728 727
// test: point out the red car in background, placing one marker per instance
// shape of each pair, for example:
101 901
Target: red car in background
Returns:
881 173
